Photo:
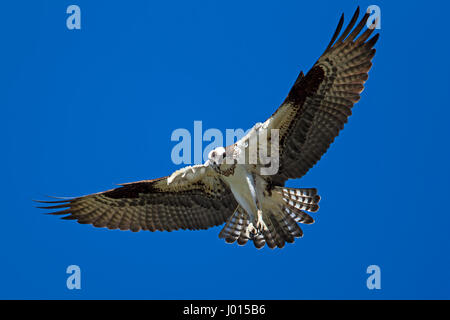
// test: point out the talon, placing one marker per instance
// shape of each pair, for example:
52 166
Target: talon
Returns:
260 224
262 227
252 230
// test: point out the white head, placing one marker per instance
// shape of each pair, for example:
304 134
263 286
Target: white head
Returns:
217 156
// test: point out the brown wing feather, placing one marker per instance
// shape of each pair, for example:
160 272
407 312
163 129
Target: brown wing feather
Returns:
319 104
152 205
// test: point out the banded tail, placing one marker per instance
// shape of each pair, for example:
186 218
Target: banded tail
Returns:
282 225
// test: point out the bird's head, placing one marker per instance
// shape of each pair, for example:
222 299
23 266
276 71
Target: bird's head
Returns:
217 156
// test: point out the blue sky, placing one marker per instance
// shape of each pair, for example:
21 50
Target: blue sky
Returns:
83 110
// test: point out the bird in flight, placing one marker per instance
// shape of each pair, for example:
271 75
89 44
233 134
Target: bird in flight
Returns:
254 206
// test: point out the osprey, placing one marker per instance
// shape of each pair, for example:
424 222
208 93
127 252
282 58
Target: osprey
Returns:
254 206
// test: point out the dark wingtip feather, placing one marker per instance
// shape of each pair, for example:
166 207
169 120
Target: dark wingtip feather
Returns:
336 32
373 40
359 27
69 217
52 201
351 32
60 198
65 205
61 203
58 213
55 204
317 198
350 26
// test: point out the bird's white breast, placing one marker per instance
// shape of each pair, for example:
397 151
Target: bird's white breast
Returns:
242 186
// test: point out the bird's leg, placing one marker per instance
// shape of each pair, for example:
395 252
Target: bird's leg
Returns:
257 225
260 224
251 229
252 206
259 220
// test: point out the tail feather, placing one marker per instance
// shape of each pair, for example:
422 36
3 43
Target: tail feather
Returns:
305 192
259 241
273 234
269 234
297 200
311 207
243 239
298 215
283 229
236 227
291 228
282 226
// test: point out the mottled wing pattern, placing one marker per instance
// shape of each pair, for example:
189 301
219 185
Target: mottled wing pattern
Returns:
320 102
152 205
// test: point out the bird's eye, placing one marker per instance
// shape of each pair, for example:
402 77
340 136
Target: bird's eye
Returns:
213 154
224 155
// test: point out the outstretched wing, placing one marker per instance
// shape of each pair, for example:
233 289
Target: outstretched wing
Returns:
194 199
319 104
